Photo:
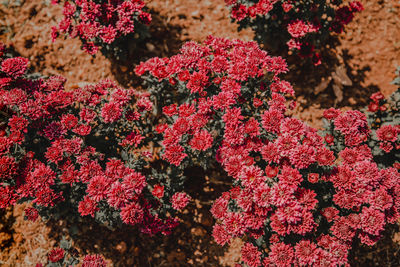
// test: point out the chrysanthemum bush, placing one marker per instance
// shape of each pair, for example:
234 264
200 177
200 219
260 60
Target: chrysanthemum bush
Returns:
302 25
299 197
91 150
305 197
218 84
112 26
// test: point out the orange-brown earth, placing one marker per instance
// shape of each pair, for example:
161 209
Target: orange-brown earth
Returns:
368 52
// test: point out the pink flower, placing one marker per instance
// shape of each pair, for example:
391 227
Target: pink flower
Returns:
14 67
235 223
198 81
8 167
134 182
219 208
97 187
330 213
7 197
290 176
351 122
201 140
387 133
118 196
302 156
331 113
290 213
251 176
174 154
220 235
108 34
250 255
342 229
270 152
87 206
54 130
111 112
87 115
94 261
90 48
271 120
305 253
281 254
262 195
158 191
372 221
82 129
69 121
56 255
293 126
299 28
132 213
18 124
239 12
180 200
170 110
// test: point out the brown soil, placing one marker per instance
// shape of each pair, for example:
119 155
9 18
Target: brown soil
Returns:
369 53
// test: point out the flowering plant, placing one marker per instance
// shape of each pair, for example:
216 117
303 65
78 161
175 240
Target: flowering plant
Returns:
109 25
300 197
305 197
301 25
219 84
89 149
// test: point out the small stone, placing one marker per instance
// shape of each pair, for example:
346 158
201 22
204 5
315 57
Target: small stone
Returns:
124 68
352 101
150 47
198 231
121 247
136 252
207 219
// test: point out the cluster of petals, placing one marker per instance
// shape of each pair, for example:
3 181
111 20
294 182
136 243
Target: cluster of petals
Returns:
215 74
100 24
306 24
64 124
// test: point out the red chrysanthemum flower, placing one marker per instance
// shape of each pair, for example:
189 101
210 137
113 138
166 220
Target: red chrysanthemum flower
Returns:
201 140
111 112
158 191
14 67
305 253
94 261
87 206
31 214
132 213
180 200
281 254
56 255
387 133
250 255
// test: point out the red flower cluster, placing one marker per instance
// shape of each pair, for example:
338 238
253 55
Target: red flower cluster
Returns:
98 23
87 138
95 260
56 255
219 75
302 197
66 255
301 25
355 198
